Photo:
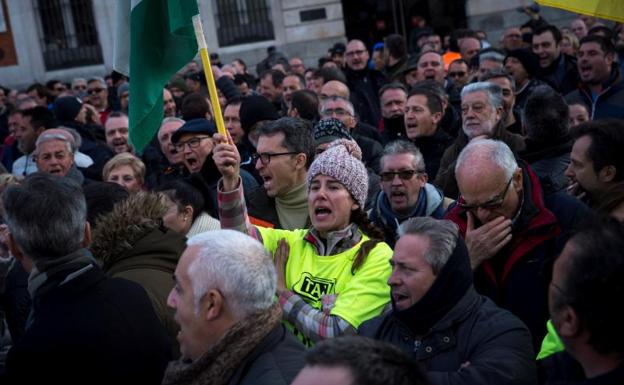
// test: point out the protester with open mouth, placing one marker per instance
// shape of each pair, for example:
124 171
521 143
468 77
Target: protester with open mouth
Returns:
332 276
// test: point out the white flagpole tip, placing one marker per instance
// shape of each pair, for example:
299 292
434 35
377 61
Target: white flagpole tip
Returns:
199 32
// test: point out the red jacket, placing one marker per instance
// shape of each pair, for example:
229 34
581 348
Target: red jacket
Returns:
519 284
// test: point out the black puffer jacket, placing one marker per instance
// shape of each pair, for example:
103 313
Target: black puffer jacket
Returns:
496 344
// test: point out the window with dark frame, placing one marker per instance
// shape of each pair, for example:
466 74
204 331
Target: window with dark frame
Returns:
68 33
243 21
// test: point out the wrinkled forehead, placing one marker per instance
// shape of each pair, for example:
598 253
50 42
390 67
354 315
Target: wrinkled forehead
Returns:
52 146
476 97
355 45
169 128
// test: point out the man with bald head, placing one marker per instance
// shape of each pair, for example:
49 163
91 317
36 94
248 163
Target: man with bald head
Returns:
334 88
512 232
363 82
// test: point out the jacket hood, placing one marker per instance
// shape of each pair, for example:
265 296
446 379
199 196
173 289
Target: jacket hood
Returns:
135 228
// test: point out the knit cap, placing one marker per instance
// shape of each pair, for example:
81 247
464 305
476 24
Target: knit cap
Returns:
66 108
529 60
328 130
343 161
254 109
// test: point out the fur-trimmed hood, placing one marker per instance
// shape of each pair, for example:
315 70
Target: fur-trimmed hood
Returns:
135 229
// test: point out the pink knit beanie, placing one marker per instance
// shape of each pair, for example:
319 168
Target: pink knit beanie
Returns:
342 160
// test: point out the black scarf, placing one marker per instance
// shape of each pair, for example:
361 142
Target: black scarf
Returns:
395 127
448 288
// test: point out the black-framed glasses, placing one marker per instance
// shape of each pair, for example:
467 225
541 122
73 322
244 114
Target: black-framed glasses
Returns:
265 157
403 175
492 204
340 112
192 143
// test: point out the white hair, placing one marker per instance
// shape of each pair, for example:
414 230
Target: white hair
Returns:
238 266
493 151
493 91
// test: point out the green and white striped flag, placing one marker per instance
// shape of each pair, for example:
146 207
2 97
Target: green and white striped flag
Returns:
153 40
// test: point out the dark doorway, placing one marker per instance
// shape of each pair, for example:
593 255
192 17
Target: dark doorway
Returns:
371 20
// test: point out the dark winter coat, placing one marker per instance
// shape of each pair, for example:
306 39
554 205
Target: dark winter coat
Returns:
608 104
432 149
91 329
562 75
495 343
445 178
514 278
132 243
364 86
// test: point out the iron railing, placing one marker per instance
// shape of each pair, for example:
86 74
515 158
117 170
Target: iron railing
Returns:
243 21
68 33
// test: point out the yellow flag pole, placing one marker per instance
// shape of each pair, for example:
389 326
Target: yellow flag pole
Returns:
212 88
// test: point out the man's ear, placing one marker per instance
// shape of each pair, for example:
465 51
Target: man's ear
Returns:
607 174
26 262
436 117
86 242
301 160
517 179
569 324
212 305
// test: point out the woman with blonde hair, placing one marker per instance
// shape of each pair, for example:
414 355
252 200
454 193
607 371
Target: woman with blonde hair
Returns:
126 170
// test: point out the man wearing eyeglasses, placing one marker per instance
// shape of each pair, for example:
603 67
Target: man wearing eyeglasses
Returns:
194 141
342 109
283 155
512 232
97 96
365 83
458 73
405 192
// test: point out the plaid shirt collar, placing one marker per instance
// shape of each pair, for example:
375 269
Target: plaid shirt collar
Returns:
336 242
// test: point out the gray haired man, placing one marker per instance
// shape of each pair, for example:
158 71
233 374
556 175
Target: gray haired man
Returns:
437 316
482 117
83 325
230 328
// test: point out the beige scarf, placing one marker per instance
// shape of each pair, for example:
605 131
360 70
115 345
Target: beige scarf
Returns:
292 208
220 362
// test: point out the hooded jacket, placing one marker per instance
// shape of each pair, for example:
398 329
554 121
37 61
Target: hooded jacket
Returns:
131 242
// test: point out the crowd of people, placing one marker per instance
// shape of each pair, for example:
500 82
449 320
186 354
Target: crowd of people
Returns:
424 211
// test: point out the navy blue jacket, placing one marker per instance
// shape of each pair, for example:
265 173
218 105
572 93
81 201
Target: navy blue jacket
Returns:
608 104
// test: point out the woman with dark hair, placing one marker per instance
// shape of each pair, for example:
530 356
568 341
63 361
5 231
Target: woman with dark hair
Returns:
332 276
185 209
